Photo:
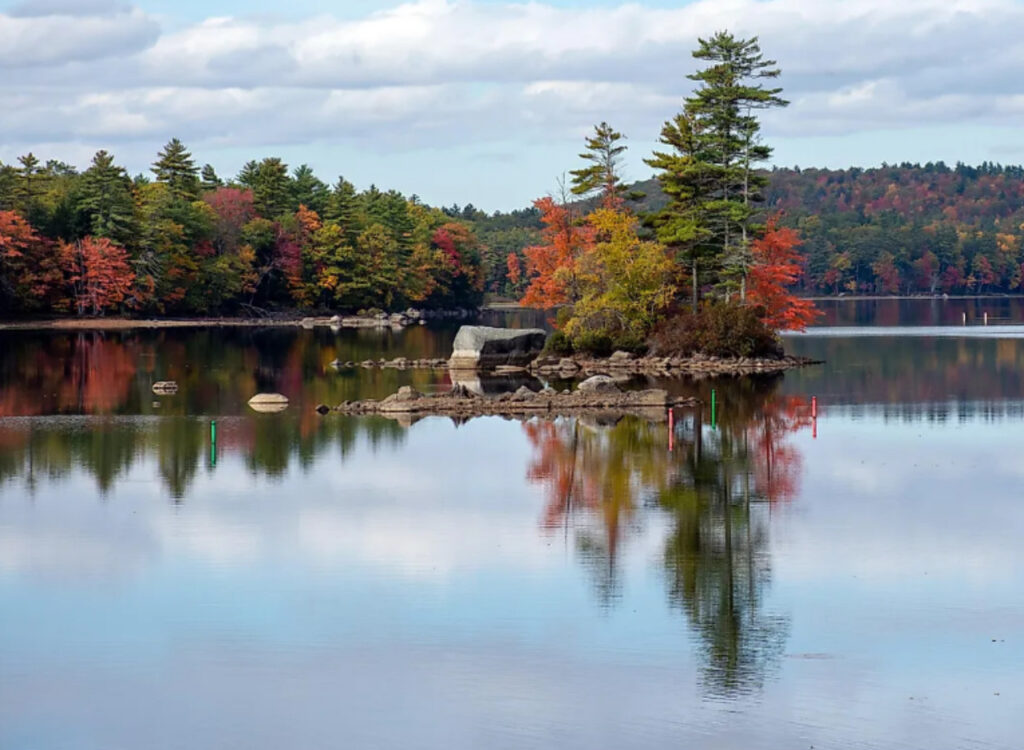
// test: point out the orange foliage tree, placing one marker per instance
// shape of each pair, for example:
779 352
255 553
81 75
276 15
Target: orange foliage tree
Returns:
776 267
99 274
552 265
29 270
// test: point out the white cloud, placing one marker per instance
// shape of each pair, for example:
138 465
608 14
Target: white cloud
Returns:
58 39
451 73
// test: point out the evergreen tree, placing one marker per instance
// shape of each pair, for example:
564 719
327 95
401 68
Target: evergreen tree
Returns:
603 175
247 175
308 190
30 175
686 181
722 109
209 179
343 207
271 188
175 166
8 186
105 201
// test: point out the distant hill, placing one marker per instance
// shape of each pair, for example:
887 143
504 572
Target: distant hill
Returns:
902 229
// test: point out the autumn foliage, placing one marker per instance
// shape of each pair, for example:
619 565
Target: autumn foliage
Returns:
776 267
98 275
552 265
188 243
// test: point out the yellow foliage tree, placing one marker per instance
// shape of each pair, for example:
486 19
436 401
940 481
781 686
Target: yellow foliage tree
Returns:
625 281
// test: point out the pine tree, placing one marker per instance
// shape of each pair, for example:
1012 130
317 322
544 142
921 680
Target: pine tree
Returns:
247 176
271 188
209 180
343 208
8 187
603 175
685 179
30 175
105 201
730 90
175 166
308 190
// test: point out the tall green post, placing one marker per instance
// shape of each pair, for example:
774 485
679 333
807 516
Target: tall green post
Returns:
714 409
213 442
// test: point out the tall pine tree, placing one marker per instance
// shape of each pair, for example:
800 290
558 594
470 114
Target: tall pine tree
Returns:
174 165
730 90
603 174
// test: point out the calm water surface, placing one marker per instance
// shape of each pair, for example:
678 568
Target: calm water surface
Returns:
769 582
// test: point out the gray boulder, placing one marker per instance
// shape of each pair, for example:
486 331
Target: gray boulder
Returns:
484 348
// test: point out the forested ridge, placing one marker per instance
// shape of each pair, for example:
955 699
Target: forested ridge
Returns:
906 229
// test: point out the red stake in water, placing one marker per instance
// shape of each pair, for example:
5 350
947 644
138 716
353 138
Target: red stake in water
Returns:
671 429
814 417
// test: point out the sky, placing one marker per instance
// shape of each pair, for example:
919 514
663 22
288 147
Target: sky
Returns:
484 102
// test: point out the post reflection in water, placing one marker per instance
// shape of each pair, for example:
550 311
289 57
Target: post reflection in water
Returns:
717 486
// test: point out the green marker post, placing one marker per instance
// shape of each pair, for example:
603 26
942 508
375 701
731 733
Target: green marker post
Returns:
714 410
213 442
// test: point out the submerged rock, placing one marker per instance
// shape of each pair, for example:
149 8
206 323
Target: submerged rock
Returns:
483 347
598 384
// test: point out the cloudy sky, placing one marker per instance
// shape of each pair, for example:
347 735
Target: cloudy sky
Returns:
488 102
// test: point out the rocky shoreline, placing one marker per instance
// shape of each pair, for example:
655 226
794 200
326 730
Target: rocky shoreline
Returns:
283 320
596 395
619 364
697 365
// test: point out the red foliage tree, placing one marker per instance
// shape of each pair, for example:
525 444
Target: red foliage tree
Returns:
514 270
776 268
28 265
99 274
234 208
294 249
886 273
551 266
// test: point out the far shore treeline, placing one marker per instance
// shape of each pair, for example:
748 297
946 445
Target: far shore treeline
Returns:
713 224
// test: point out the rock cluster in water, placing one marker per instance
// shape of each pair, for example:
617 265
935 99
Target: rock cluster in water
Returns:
398 363
412 316
599 394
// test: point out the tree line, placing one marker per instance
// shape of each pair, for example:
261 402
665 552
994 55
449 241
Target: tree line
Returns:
894 229
185 241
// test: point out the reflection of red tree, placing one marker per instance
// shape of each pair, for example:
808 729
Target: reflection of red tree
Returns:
100 376
96 378
554 464
777 465
594 472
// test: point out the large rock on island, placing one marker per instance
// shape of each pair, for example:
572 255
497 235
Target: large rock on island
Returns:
484 348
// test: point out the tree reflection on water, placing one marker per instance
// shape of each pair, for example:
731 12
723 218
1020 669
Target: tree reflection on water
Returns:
716 487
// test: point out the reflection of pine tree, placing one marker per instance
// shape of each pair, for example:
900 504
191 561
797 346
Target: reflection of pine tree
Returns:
717 563
717 487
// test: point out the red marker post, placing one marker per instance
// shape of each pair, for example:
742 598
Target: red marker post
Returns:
671 429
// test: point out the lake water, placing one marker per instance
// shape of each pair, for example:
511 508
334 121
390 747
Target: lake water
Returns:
771 581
